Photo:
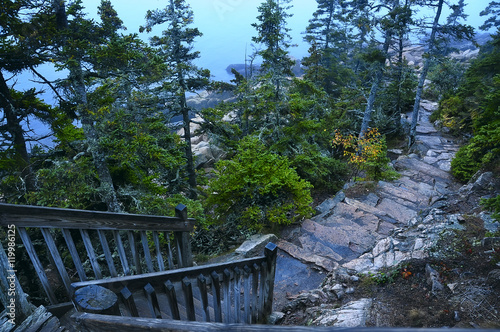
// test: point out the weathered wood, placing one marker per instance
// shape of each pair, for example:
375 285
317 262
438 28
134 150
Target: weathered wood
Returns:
260 308
128 300
172 299
246 286
37 265
37 216
147 253
202 285
216 296
97 300
255 289
170 256
187 289
159 257
51 245
91 253
9 281
121 252
157 278
74 254
153 304
271 253
107 252
103 323
135 253
184 244
237 295
226 281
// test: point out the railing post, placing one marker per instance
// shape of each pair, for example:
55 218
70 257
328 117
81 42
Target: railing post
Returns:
12 296
183 238
271 253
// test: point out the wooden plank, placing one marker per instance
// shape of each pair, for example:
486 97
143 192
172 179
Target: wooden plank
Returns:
107 253
172 299
38 216
152 299
216 296
159 257
170 255
262 292
147 253
226 281
106 323
247 290
74 254
237 296
7 277
135 253
178 246
271 253
188 296
51 245
128 300
135 283
255 291
202 285
91 253
121 252
37 264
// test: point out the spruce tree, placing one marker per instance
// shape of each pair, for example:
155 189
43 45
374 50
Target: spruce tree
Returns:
175 47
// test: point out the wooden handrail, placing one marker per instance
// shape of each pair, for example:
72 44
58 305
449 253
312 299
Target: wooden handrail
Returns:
114 243
48 217
107 323
240 291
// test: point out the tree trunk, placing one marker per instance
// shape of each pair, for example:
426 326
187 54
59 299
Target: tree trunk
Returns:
375 85
76 75
423 75
16 131
187 135
107 189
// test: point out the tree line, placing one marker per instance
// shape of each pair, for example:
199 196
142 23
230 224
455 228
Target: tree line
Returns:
288 140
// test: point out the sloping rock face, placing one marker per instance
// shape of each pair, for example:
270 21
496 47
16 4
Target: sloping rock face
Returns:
369 227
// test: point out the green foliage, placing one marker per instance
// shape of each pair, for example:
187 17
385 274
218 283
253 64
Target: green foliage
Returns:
445 77
482 150
367 153
258 189
67 184
492 204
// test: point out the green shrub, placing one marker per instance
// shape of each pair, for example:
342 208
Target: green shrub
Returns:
483 149
258 189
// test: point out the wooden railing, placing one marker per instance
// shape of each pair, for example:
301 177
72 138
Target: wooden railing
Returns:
108 244
235 292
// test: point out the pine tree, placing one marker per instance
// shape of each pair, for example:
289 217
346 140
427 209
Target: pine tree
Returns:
439 35
175 46
22 48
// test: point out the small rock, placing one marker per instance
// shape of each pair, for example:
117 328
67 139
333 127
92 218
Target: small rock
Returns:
456 316
350 290
433 279
275 318
354 278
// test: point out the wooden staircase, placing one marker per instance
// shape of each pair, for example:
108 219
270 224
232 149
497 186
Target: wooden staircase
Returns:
143 261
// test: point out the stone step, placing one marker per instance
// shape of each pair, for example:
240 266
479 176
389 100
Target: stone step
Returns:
401 213
306 256
426 170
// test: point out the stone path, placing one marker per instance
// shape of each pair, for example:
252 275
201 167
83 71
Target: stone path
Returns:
356 233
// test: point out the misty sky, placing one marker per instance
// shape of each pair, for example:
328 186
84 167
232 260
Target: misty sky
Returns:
226 25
